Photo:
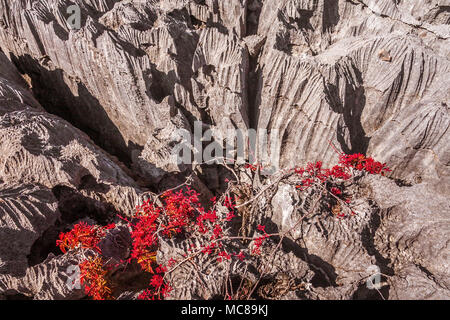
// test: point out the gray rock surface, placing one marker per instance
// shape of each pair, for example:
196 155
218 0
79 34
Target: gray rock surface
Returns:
88 119
401 230
306 71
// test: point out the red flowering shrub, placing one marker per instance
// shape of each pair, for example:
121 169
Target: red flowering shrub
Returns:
362 163
331 179
94 278
259 240
180 215
170 220
83 235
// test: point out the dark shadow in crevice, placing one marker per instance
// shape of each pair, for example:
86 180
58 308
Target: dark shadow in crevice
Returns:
89 183
60 32
303 22
45 245
364 293
12 295
130 278
402 183
368 242
197 24
96 14
324 273
74 206
83 110
254 8
300 23
433 14
351 109
254 86
159 85
13 262
428 273
200 2
331 15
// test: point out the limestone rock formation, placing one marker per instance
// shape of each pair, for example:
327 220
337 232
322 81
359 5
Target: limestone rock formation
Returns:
90 116
398 229
51 176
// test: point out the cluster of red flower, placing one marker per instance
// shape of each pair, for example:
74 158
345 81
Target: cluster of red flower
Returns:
83 235
181 212
315 174
360 162
171 219
94 278
259 240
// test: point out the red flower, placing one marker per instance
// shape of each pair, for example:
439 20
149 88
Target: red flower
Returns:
251 167
157 281
208 249
336 191
166 290
228 202
94 278
223 255
230 216
241 256
261 228
180 214
147 295
217 232
83 235
361 162
161 269
171 262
